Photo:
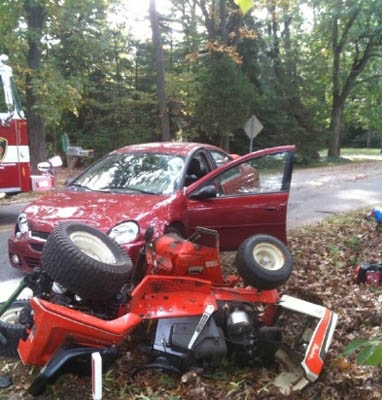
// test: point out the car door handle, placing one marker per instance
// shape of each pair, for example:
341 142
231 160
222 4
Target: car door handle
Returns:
271 209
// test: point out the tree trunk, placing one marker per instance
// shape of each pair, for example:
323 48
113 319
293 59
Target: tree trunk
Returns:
335 128
159 63
35 16
359 62
275 53
368 139
226 143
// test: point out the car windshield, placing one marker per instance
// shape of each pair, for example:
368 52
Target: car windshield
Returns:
148 173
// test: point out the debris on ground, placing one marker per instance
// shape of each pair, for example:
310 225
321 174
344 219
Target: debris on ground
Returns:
325 255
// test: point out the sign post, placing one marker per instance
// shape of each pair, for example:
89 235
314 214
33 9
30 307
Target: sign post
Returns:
252 128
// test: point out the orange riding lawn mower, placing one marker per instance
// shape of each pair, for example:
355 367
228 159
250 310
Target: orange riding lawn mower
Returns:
88 297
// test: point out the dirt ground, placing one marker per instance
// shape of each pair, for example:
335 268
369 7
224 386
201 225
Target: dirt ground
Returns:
325 256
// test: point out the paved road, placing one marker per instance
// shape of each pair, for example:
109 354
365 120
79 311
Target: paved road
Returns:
9 277
322 192
315 194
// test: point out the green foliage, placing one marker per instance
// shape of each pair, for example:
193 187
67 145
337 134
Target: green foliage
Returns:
353 243
182 91
97 83
351 37
245 5
369 351
289 97
225 99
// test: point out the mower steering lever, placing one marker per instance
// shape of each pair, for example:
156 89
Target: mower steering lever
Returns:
201 324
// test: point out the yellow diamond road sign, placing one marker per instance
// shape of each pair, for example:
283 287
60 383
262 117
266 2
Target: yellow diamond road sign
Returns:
253 127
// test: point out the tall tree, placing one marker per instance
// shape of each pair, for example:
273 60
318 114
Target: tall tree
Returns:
35 13
225 100
355 39
159 62
223 22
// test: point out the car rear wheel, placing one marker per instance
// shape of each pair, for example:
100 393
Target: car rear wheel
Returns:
11 329
85 261
264 262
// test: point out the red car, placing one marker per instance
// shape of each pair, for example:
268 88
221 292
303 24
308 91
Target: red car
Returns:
168 186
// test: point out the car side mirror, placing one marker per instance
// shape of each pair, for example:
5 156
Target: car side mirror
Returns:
204 192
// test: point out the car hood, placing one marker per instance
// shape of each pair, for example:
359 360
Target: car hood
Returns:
102 210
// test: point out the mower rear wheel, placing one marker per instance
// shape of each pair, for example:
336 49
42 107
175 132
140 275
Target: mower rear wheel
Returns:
12 329
264 262
86 261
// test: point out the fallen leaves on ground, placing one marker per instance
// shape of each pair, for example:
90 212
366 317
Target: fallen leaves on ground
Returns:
325 257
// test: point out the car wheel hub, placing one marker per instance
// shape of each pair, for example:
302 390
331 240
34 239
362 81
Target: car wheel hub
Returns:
268 256
93 247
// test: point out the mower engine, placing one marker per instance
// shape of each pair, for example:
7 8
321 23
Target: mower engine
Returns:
234 330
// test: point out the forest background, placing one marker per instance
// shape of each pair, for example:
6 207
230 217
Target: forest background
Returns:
309 70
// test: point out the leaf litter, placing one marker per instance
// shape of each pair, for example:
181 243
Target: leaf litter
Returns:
325 256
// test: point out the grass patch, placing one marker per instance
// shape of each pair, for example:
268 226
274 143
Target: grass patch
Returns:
349 154
348 151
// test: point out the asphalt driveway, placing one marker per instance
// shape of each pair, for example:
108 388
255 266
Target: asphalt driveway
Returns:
321 192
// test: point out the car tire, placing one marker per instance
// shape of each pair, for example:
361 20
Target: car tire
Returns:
264 262
12 329
86 261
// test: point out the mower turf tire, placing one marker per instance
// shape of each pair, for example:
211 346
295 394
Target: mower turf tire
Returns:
264 262
11 329
86 261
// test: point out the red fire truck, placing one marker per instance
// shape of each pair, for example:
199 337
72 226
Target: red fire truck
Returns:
14 148
15 170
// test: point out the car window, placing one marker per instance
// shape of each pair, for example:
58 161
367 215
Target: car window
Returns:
219 157
260 175
197 168
141 172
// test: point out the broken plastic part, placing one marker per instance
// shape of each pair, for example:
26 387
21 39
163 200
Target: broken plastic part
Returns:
299 375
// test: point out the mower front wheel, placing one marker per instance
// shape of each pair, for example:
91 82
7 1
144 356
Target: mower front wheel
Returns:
264 262
86 261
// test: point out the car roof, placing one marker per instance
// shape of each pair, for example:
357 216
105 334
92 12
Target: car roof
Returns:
179 148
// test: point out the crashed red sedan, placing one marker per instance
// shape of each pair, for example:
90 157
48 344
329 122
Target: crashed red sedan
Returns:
170 186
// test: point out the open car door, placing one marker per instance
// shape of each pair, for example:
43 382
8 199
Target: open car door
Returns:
244 197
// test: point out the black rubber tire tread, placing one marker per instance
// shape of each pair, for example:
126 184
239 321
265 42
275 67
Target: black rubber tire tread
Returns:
91 279
253 273
175 228
12 333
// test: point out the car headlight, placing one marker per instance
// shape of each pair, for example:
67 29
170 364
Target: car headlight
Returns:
125 232
22 223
